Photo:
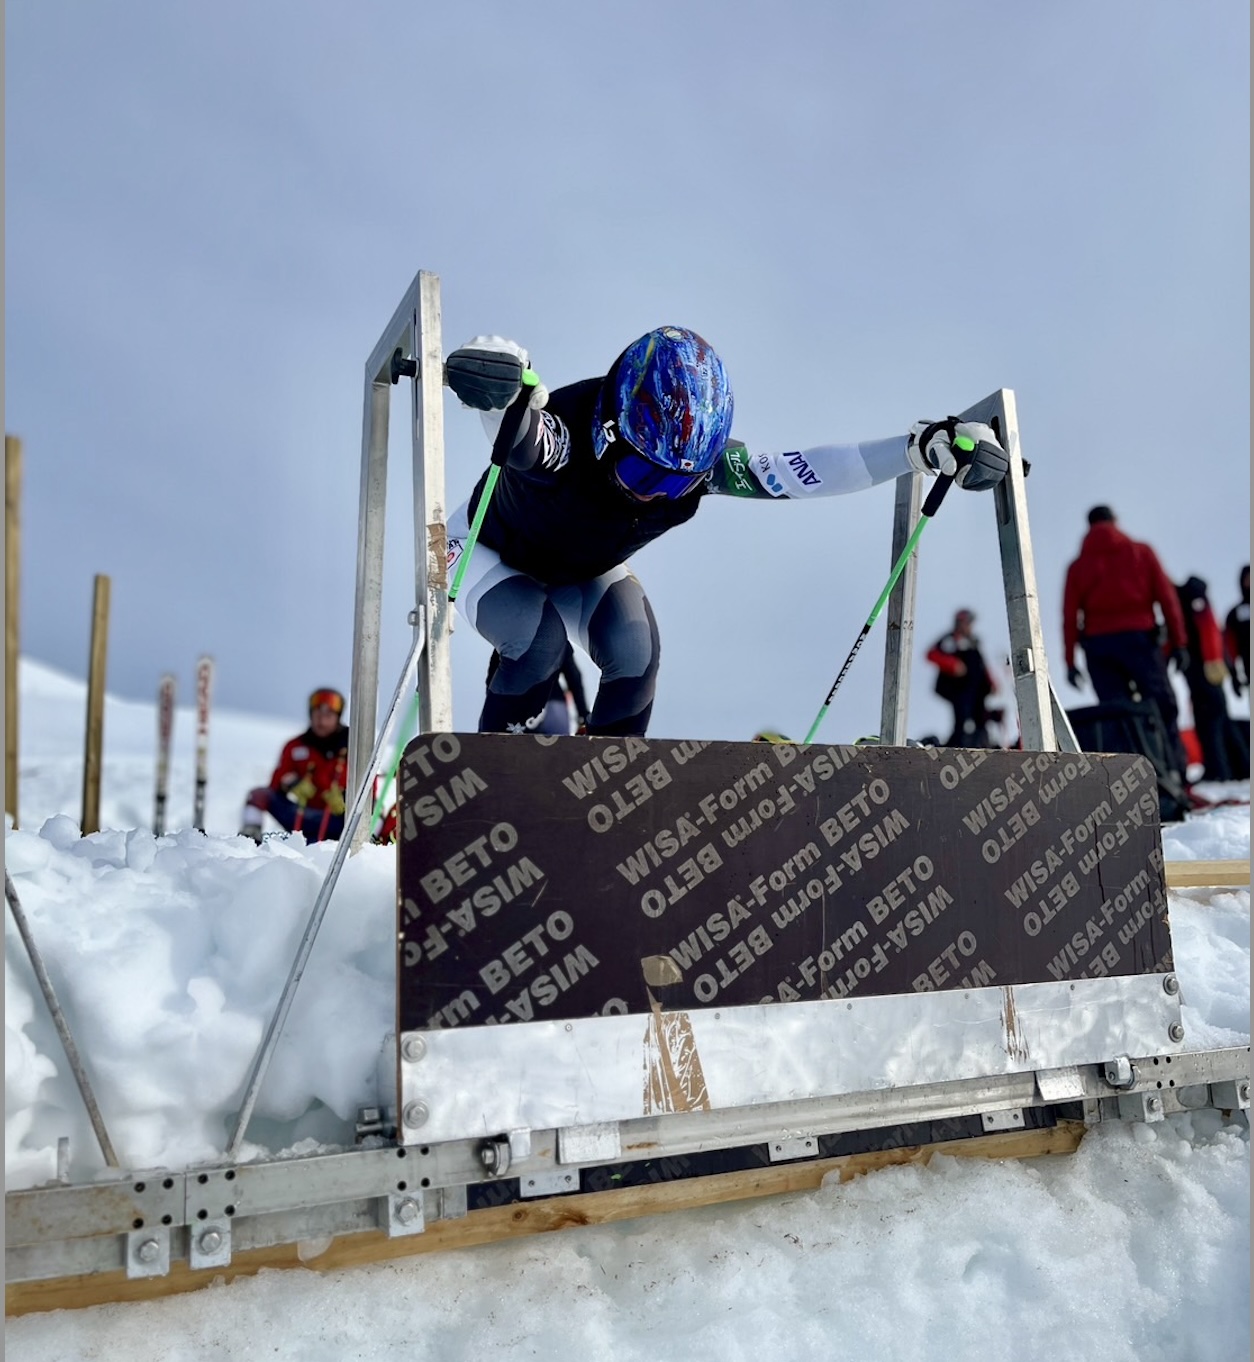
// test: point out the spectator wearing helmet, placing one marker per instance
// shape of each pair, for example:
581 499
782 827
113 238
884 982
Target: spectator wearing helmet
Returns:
964 680
594 471
306 791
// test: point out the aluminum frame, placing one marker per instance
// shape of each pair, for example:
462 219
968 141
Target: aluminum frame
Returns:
1042 721
411 346
62 1231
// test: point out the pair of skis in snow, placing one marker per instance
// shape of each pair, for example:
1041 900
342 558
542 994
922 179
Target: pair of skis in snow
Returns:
165 734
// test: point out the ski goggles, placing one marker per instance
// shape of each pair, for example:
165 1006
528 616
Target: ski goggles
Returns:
645 479
327 699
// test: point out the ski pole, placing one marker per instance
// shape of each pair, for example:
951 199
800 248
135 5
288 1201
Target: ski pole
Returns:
376 819
930 507
501 447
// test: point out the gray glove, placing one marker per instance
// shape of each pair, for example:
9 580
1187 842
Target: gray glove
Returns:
966 451
487 372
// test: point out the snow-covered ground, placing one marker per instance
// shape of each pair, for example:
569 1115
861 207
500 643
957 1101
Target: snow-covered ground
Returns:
169 953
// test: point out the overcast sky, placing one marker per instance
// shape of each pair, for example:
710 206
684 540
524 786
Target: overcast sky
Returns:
875 213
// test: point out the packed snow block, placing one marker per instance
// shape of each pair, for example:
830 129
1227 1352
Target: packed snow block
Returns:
562 878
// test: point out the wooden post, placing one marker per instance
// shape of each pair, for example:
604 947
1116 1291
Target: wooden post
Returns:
12 541
95 705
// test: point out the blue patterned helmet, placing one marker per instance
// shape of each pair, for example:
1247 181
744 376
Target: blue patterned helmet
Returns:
667 400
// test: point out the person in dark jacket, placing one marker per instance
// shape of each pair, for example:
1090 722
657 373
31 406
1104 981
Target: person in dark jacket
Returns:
964 680
306 791
594 471
1225 755
1111 593
1237 636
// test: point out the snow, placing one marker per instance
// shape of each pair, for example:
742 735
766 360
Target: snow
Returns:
169 953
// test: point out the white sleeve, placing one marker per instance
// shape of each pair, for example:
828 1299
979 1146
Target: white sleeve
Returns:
825 470
830 470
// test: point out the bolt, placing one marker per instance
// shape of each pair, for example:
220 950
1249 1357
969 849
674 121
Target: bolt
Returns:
1154 1104
148 1251
416 1114
1176 1031
1243 1092
1171 985
407 1211
210 1241
414 1048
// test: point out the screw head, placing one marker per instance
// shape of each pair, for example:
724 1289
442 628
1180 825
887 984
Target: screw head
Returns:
416 1114
1171 985
148 1251
1176 1031
413 1048
407 1211
1155 1104
210 1241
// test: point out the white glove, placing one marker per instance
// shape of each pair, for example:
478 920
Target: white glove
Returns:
966 451
487 372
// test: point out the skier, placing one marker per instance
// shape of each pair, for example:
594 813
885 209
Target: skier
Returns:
964 680
1224 752
600 468
1109 597
1237 635
306 791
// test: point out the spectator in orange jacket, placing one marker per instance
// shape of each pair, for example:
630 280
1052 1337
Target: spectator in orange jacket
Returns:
306 791
1225 755
963 678
1109 601
1237 635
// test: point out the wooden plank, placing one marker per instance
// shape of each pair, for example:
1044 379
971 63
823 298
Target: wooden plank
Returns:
1207 874
95 704
525 1218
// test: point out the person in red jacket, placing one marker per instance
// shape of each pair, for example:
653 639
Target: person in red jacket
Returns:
1237 635
1109 600
1224 752
306 791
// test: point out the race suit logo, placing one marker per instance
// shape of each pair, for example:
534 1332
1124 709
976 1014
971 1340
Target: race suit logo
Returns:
806 475
736 471
555 444
764 468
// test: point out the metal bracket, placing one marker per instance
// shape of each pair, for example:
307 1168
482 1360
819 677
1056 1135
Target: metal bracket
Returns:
147 1253
1142 1106
599 1143
403 1214
1060 1085
452 1203
798 1147
1231 1096
549 1184
1002 1120
210 1245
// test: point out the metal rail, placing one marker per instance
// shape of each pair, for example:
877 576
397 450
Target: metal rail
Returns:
62 1026
143 1225
318 912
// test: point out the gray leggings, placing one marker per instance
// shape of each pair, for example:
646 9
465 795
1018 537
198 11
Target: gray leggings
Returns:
528 624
